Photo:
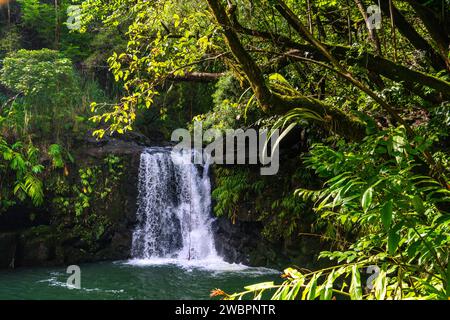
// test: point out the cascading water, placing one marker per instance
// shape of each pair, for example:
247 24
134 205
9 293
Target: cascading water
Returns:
174 207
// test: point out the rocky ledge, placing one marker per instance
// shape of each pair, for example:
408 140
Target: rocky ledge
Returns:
47 236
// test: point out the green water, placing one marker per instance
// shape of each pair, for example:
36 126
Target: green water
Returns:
122 280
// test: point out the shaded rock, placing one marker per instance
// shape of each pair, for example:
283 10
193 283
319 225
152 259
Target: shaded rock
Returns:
8 245
127 144
54 238
242 242
18 217
36 247
118 249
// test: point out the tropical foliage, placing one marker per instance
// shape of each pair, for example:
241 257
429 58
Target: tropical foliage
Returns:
397 218
363 105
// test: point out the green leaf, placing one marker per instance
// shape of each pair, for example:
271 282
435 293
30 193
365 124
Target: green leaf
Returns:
381 286
386 214
448 279
276 77
355 286
366 199
393 241
418 204
37 168
292 293
327 292
310 290
260 286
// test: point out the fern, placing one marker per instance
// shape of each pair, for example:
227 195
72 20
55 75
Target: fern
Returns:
34 189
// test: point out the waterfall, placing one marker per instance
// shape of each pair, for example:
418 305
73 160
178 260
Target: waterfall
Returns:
174 208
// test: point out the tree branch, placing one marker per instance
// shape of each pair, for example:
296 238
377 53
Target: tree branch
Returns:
293 20
436 29
372 32
408 31
197 77
374 64
275 103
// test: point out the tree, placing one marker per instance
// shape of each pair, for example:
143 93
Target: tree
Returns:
47 81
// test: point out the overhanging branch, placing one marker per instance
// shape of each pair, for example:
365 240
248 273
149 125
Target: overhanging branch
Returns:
197 77
275 103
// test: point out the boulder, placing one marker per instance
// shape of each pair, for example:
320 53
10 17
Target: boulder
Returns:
242 242
8 247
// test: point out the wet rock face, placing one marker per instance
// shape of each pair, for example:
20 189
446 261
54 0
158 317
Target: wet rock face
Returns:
8 245
52 238
242 242
35 251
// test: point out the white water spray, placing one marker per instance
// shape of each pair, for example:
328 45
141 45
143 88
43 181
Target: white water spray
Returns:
174 208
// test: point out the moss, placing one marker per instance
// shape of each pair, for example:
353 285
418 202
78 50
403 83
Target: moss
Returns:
41 232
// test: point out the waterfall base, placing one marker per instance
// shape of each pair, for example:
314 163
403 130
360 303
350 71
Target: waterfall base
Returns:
174 209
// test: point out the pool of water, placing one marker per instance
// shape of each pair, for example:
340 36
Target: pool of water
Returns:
135 279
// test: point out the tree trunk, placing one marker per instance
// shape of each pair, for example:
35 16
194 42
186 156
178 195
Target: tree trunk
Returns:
408 31
57 28
436 28
197 77
274 103
372 32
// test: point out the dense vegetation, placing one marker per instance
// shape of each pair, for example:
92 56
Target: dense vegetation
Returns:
372 106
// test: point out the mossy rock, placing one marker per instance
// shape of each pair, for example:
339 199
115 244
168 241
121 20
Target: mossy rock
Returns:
8 244
37 246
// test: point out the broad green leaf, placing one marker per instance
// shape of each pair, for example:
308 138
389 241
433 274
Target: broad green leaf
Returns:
366 200
386 214
393 241
283 292
355 286
418 204
293 292
310 291
260 286
327 292
381 286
